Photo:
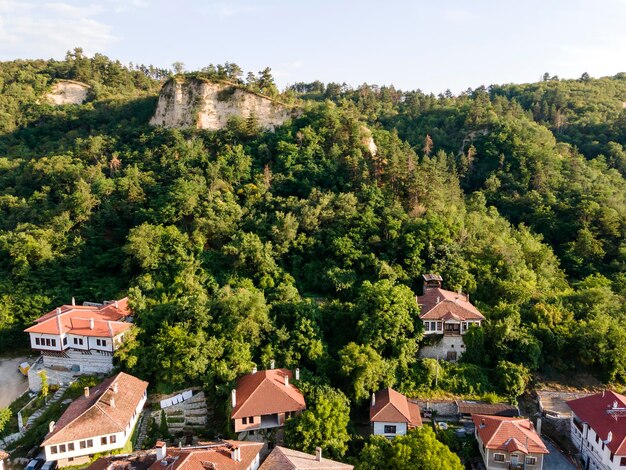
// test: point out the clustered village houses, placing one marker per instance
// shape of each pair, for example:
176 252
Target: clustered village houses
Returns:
81 339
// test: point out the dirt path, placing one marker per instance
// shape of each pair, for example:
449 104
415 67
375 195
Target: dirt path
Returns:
12 382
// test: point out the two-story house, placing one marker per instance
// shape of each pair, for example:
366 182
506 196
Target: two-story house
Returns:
81 338
509 443
392 414
265 399
598 430
448 315
102 420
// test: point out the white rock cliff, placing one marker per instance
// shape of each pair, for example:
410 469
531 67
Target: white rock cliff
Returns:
209 105
68 92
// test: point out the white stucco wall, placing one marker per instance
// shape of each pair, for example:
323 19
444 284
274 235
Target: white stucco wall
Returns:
379 429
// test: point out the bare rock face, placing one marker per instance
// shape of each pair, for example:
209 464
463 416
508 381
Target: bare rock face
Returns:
209 105
68 92
368 141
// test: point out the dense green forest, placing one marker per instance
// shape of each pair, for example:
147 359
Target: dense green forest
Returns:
302 245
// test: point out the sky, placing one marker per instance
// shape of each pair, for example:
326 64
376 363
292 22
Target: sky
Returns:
427 45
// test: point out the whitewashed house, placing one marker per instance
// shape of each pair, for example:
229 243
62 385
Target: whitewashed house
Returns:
80 338
446 315
598 430
102 420
392 414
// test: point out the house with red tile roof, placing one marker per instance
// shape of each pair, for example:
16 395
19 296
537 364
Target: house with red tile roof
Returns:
392 414
224 455
598 430
81 338
283 458
265 399
509 443
446 313
101 420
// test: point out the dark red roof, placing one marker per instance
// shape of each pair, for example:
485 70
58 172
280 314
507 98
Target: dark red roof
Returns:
595 411
509 434
441 304
265 393
393 407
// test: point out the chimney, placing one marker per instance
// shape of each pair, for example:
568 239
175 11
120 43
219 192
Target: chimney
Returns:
603 393
482 423
86 392
615 405
91 323
286 381
115 387
373 399
297 374
161 450
73 301
254 369
539 426
233 398
51 426
272 364
609 438
438 299
235 453
318 454
112 402
58 310
116 304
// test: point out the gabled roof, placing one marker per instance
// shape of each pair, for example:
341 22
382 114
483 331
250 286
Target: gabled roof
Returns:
216 456
264 392
439 304
509 434
103 321
104 411
283 458
593 410
393 407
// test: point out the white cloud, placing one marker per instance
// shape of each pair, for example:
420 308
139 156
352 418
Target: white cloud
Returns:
30 30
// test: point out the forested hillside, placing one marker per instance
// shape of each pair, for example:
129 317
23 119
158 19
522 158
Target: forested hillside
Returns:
304 245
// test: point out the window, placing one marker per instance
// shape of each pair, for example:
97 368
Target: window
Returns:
251 419
89 443
37 341
83 444
244 420
54 342
103 441
439 326
70 447
75 340
47 341
62 448
54 450
390 429
597 438
531 460
112 439
65 341
427 326
622 462
104 342
498 457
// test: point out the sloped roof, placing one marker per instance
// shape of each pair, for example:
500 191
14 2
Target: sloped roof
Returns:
509 434
201 457
438 304
393 407
3 455
477 407
593 410
264 392
77 320
283 458
94 415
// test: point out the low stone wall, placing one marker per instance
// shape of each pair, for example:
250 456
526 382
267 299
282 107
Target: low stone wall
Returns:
91 362
189 415
441 349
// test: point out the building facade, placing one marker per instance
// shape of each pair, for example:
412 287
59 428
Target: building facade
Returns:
598 430
392 414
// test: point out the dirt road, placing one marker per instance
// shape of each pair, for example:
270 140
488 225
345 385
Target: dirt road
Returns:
12 382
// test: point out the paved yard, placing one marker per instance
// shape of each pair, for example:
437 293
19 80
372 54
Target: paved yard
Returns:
12 382
555 460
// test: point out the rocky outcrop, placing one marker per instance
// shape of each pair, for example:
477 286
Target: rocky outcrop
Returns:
68 92
368 141
205 104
